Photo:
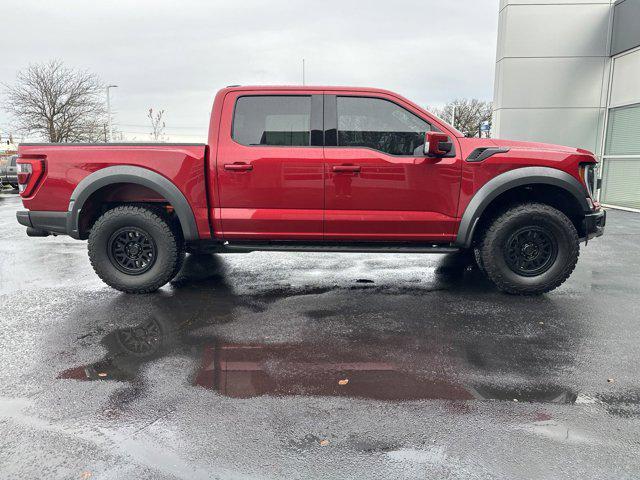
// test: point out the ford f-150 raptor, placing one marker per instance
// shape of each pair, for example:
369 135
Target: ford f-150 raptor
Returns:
317 169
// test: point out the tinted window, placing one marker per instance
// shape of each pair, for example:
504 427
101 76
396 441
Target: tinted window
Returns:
272 120
14 160
379 124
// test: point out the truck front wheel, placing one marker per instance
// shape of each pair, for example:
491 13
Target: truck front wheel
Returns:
135 249
530 249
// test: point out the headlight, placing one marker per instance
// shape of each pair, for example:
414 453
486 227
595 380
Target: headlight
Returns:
589 177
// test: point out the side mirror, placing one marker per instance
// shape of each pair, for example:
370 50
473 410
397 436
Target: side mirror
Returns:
437 144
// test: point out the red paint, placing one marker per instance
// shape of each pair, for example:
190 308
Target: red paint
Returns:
522 154
66 165
281 197
304 193
433 141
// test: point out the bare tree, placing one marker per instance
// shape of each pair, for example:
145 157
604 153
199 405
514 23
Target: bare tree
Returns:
157 124
469 114
58 103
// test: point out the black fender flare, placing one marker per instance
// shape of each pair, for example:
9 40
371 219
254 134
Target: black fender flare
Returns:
139 176
511 179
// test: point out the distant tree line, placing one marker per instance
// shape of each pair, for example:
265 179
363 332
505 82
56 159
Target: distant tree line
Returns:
61 104
469 114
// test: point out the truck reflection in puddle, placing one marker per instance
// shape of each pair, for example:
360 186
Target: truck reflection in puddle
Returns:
403 366
242 371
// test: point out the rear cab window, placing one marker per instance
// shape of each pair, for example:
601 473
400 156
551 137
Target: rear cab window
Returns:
272 120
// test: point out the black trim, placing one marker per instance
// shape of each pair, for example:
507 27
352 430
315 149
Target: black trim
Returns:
594 224
107 144
330 121
511 179
361 247
317 121
34 232
415 155
482 153
53 222
23 218
138 176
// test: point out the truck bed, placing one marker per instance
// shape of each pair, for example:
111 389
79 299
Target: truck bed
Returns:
66 165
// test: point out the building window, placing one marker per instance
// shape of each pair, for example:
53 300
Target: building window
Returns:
272 120
621 160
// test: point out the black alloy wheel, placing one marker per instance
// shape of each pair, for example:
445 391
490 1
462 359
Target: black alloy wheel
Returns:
531 251
132 250
135 248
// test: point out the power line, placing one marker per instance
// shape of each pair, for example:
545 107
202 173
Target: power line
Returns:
135 125
147 132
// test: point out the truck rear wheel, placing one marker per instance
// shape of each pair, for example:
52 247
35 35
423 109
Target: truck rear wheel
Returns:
135 249
530 249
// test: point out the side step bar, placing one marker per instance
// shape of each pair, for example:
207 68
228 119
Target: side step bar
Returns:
379 247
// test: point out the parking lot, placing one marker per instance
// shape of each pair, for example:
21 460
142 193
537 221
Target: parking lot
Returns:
286 365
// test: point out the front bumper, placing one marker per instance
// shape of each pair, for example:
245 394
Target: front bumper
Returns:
594 223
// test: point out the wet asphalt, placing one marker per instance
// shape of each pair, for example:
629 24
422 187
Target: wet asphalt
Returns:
295 365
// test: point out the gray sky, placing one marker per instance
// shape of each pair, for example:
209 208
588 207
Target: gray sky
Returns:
175 55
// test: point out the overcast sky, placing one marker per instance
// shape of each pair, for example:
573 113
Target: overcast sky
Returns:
175 55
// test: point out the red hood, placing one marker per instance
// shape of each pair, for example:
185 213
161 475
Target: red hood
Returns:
538 146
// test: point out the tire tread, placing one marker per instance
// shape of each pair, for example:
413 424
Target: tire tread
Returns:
169 231
494 272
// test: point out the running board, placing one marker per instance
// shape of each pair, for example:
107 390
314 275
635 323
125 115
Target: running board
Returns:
379 247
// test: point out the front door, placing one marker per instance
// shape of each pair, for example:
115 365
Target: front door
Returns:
379 185
270 166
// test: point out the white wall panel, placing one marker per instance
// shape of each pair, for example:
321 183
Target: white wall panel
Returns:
549 82
576 127
555 30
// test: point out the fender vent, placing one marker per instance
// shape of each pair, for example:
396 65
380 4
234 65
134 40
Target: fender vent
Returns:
482 153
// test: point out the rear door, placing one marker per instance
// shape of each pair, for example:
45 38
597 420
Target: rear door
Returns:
379 185
270 166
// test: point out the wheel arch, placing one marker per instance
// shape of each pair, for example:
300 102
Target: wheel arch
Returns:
540 178
127 174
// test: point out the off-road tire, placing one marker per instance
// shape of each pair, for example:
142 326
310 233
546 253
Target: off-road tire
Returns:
477 257
548 221
164 234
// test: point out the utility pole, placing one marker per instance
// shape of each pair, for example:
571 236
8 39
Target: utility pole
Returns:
109 112
303 79
453 117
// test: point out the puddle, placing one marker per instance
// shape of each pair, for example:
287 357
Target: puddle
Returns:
388 363
247 370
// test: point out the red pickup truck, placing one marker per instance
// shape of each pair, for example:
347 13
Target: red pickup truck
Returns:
316 169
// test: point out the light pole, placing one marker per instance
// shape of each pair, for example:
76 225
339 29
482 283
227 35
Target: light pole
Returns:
109 111
303 79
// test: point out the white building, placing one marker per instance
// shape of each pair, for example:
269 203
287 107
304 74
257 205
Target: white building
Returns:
568 72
